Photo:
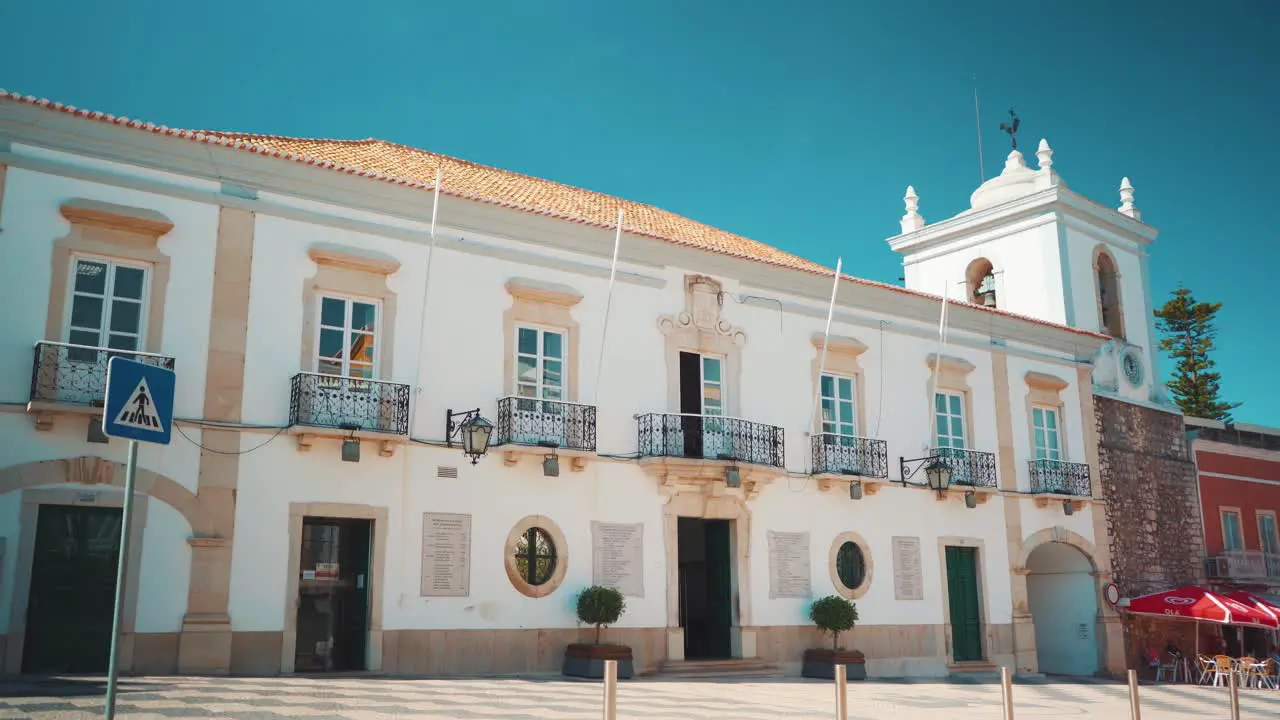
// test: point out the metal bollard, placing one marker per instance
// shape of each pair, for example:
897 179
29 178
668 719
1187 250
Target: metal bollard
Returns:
610 690
1235 697
1135 706
842 692
1006 691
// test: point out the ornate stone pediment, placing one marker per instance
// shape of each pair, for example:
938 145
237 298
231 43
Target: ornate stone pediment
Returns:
703 307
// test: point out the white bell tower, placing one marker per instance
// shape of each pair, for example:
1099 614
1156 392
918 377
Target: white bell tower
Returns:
1029 245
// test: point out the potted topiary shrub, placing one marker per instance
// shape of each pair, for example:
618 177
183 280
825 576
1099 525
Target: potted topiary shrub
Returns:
599 606
834 614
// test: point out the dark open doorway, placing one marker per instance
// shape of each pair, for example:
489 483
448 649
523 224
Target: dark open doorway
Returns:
333 595
706 587
73 585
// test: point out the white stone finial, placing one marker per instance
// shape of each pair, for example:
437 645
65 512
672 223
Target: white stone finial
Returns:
1126 200
912 220
1044 154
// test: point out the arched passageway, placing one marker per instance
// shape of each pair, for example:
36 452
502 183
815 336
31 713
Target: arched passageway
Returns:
1063 600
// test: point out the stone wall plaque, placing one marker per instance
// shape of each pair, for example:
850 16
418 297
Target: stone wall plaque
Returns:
617 557
788 564
446 555
908 577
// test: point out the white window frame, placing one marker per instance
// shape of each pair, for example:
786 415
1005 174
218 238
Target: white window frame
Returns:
1056 451
1226 540
1274 548
836 403
539 358
348 332
104 331
964 428
704 384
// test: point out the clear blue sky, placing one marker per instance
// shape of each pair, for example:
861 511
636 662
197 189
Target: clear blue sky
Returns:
798 124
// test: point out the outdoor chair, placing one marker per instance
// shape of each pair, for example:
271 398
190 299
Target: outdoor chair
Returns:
1222 669
1259 674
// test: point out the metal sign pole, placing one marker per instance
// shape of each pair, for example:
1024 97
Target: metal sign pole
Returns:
122 574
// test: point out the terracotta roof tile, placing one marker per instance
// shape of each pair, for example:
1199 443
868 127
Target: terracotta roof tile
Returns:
404 165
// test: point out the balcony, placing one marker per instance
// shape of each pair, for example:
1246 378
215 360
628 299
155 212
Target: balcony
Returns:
528 426
1244 566
684 447
841 457
347 407
972 469
69 378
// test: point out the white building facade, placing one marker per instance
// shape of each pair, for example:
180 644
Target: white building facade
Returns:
681 432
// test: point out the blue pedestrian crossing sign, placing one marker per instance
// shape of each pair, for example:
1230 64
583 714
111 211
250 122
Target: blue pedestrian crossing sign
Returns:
139 402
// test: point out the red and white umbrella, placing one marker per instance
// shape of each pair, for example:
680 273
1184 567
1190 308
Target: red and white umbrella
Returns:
1256 602
1196 603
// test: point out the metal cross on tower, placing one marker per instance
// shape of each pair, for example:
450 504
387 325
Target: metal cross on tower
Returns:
1012 128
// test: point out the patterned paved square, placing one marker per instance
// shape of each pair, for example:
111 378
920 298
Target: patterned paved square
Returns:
380 698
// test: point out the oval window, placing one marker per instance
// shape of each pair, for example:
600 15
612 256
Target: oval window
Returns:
850 565
535 556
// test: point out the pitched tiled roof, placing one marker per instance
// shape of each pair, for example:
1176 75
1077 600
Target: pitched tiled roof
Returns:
404 165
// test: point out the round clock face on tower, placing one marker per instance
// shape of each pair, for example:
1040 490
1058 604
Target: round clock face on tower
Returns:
1132 364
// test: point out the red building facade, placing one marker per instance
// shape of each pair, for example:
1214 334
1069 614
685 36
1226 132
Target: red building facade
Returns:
1238 469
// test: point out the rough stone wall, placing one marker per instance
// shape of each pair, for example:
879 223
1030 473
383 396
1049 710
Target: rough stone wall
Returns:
1153 510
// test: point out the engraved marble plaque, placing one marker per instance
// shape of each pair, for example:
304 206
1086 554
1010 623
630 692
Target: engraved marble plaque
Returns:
908 577
617 556
788 564
446 555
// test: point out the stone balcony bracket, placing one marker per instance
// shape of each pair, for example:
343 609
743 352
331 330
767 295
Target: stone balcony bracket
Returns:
708 477
830 481
577 459
1078 502
306 437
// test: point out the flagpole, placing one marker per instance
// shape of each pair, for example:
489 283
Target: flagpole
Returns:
937 362
608 304
822 362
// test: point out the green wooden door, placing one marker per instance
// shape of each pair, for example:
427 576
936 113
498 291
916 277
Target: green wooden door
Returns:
73 585
719 589
962 587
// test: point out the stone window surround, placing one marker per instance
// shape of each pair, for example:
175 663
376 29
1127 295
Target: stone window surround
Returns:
1222 525
842 359
545 305
1045 390
867 564
983 592
358 274
113 231
558 542
377 573
694 330
1257 519
32 499
953 374
1098 252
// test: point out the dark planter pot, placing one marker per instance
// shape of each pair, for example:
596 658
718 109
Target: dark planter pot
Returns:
587 661
821 663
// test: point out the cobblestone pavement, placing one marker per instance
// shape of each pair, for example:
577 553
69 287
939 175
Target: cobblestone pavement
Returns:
349 698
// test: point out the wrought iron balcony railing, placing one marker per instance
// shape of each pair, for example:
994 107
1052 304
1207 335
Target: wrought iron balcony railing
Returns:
546 423
77 374
845 455
347 403
1059 477
712 437
1244 565
970 467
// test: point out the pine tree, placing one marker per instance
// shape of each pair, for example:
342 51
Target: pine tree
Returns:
1187 333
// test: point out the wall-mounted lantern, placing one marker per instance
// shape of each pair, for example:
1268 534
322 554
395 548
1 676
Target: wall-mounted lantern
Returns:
937 471
732 477
1068 508
551 465
473 428
855 490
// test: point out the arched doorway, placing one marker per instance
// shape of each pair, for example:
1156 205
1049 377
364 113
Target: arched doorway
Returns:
1063 601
